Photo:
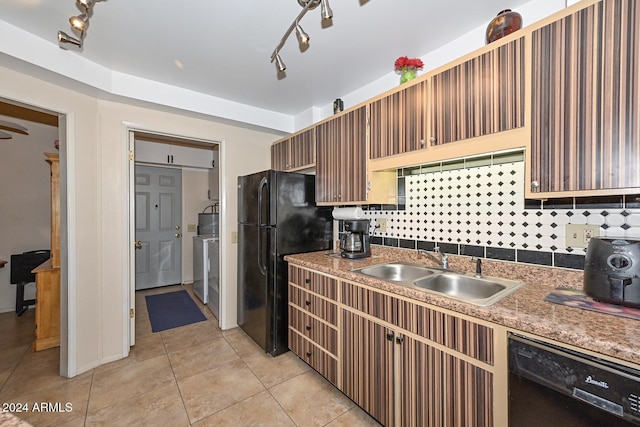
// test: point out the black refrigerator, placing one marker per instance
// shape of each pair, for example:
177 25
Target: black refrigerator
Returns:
277 216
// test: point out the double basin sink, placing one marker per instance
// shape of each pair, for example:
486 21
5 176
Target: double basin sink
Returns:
482 291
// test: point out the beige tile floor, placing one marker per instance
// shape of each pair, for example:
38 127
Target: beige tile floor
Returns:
196 375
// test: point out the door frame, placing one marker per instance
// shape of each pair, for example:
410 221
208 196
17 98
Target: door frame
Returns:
129 130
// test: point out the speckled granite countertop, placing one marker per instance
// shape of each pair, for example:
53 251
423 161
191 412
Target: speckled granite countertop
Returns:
524 310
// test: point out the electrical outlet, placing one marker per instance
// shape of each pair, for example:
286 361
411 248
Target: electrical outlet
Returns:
234 237
381 225
191 228
578 235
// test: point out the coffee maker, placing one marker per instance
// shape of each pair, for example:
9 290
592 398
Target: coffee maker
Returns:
355 242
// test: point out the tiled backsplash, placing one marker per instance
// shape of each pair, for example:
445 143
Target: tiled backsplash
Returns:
477 207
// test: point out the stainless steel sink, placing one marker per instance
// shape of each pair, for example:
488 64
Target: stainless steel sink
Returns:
480 291
397 271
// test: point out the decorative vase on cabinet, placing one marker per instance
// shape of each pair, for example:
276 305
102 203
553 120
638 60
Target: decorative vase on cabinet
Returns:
504 24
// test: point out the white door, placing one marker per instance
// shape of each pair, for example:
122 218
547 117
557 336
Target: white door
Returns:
158 219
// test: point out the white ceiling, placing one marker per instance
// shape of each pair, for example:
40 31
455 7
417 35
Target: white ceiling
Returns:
224 47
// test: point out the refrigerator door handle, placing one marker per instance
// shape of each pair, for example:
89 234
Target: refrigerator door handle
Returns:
261 264
263 183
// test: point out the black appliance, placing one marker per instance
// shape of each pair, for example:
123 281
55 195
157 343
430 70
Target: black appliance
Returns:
612 271
355 242
277 216
554 386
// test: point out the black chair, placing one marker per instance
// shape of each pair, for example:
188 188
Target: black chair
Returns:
21 275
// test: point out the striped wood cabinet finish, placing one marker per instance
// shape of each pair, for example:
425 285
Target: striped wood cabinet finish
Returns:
280 155
436 388
398 122
481 96
294 153
368 366
586 100
439 389
313 321
341 158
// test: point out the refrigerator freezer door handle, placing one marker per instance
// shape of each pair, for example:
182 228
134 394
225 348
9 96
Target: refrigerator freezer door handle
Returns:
263 184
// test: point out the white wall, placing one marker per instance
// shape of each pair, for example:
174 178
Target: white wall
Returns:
25 214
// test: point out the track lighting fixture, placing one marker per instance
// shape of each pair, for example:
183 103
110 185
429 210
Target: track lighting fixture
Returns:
303 38
279 64
65 41
79 25
325 10
80 22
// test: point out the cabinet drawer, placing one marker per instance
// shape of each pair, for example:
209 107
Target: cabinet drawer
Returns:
313 329
314 282
315 305
322 362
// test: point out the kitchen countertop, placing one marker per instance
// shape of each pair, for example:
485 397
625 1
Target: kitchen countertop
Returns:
524 310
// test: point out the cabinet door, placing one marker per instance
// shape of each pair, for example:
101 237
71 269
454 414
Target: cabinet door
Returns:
192 156
481 96
280 156
368 366
440 389
341 162
303 150
398 122
152 152
586 100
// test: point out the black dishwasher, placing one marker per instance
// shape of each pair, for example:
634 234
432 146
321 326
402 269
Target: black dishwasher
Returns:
554 386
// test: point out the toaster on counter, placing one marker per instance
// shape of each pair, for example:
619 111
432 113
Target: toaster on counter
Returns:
612 271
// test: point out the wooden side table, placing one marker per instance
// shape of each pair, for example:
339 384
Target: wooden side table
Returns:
47 306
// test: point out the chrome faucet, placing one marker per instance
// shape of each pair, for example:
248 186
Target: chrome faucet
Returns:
443 261
478 261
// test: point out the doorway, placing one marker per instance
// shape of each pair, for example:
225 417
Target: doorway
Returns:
195 160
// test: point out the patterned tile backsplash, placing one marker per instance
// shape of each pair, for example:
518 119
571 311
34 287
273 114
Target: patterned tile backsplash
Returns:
477 207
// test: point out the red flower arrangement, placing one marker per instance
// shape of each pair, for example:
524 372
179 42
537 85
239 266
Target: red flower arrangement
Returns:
403 64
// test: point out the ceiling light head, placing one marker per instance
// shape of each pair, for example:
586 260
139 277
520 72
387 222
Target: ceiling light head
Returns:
85 4
303 38
312 3
66 41
279 64
326 11
80 22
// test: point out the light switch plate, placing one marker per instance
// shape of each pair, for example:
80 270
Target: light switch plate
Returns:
578 235
381 225
234 237
191 228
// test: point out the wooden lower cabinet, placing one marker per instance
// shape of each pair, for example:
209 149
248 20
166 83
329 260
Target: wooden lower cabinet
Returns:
439 389
367 366
406 363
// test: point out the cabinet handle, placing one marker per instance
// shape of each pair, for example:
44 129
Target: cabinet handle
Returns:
390 336
307 302
308 327
168 158
308 354
399 339
423 143
535 184
433 139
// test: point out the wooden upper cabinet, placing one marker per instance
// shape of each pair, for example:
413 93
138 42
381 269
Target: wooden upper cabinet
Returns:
398 122
481 96
295 153
585 100
341 162
280 155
